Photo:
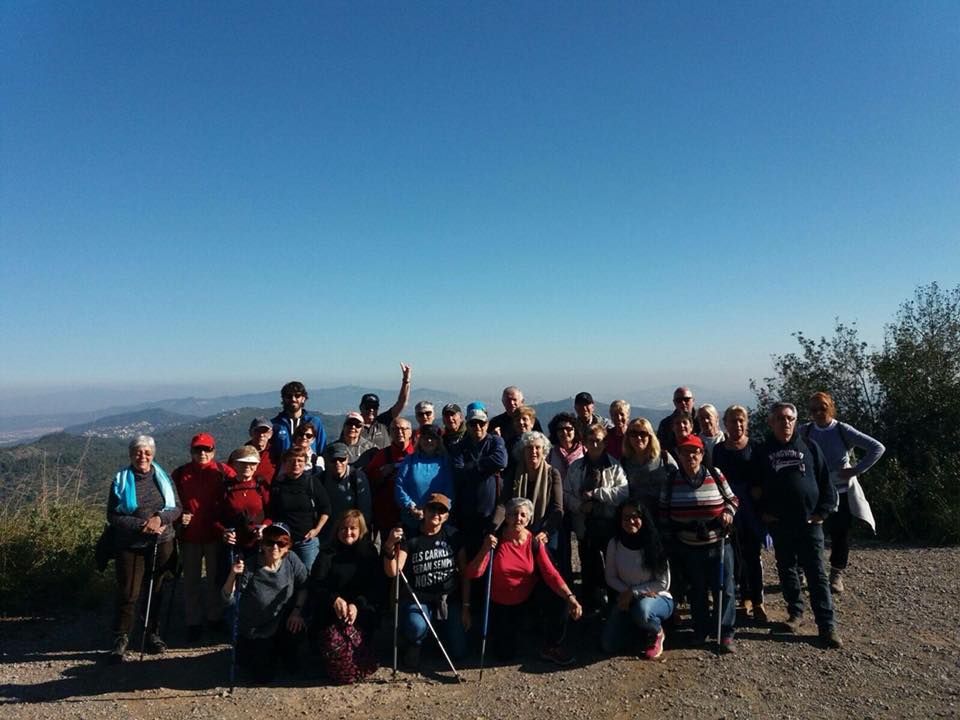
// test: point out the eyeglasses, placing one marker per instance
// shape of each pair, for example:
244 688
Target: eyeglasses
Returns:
201 448
401 429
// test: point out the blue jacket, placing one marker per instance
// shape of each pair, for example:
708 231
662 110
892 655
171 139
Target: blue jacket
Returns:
476 470
417 477
283 435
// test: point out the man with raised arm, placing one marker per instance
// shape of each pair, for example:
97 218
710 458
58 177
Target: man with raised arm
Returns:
376 424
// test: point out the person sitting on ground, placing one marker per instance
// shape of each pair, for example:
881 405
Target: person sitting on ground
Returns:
298 499
141 508
361 450
519 558
243 507
503 424
584 407
710 431
436 575
735 456
588 492
619 418
294 397
376 424
454 429
644 464
303 438
272 588
347 487
477 469
382 473
838 440
567 443
795 497
696 508
638 573
200 486
261 433
422 474
347 587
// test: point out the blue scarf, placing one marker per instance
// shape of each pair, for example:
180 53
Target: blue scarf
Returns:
125 488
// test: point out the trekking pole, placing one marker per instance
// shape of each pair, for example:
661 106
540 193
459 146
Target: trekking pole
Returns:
235 630
723 547
396 616
153 571
486 611
426 619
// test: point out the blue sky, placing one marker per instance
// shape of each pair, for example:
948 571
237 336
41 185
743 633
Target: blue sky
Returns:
599 195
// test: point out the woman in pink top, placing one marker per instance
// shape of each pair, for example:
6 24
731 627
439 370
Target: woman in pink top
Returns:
518 561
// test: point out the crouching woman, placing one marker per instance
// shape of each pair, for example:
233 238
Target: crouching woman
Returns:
272 592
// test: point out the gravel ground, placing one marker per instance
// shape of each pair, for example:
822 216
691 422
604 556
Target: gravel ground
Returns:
899 619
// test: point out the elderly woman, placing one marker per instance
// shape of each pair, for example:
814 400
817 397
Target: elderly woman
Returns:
272 595
141 509
643 464
567 443
421 474
346 587
519 559
710 431
243 507
638 572
838 440
588 491
436 574
535 480
620 417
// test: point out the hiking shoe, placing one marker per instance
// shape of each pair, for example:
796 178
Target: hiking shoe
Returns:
155 644
194 633
120 642
726 645
831 639
759 615
556 654
793 623
656 649
836 581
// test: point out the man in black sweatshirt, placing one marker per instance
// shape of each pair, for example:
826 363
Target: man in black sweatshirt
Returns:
795 497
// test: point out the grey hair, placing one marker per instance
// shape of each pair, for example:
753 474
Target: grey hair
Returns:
519 502
528 438
622 405
423 405
140 441
781 406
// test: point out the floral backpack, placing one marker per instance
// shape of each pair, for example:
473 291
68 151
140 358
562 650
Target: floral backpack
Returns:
347 657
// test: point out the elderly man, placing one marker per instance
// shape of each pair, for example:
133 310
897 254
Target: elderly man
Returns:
584 407
360 450
294 397
454 429
795 496
682 403
481 458
382 472
376 424
502 424
261 432
347 487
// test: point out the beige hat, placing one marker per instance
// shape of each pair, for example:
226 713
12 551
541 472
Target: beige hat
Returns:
245 454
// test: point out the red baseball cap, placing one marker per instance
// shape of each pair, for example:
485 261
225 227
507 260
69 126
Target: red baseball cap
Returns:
690 441
202 440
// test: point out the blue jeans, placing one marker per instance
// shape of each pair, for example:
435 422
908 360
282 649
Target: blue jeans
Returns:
307 551
701 567
414 628
645 613
803 546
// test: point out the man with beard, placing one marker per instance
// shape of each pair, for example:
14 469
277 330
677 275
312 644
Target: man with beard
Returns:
294 397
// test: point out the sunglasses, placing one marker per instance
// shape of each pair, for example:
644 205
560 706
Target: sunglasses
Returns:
307 436
201 448
275 543
436 509
638 434
476 423
354 424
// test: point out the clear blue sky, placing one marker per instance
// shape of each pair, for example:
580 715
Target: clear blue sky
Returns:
600 195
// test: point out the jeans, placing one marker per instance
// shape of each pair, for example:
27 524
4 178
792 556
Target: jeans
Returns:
701 566
307 551
803 545
645 613
414 628
839 526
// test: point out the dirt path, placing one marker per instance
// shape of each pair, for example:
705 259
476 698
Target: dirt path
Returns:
900 621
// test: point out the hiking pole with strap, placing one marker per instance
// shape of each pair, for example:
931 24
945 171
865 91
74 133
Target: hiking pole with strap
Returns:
723 547
426 619
153 572
486 611
235 630
396 616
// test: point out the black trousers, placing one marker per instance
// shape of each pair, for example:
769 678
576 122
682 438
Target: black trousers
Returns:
838 525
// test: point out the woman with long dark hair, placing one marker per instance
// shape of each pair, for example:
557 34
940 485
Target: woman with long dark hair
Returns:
638 571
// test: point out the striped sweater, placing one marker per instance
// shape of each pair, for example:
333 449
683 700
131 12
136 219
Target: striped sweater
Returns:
691 508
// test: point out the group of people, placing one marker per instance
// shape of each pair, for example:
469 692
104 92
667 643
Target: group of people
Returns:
298 541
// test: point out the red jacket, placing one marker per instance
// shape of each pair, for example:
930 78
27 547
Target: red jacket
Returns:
201 490
242 508
386 515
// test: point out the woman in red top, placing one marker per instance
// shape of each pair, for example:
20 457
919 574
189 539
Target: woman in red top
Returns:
243 507
518 560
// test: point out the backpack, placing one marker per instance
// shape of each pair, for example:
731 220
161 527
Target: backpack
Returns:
346 655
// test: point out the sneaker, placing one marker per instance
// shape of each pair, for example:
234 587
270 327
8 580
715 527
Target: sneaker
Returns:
836 581
831 639
759 615
656 649
556 654
194 633
120 642
793 623
155 644
726 645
